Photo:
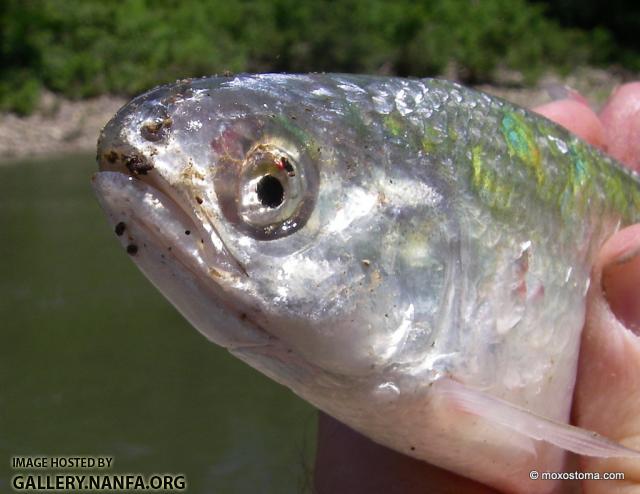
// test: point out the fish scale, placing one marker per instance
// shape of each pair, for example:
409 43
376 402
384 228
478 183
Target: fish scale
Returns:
418 269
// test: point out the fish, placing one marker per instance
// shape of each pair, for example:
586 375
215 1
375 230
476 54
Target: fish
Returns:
410 256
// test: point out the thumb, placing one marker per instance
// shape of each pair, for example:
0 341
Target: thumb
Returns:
607 398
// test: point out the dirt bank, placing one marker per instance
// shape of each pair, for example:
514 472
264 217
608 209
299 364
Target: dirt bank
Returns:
62 126
58 126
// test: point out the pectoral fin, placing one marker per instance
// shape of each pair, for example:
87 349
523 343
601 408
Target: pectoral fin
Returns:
565 436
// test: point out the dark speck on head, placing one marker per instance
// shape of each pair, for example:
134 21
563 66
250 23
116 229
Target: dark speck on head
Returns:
120 228
132 249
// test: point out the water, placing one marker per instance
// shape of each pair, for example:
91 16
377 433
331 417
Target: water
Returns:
95 362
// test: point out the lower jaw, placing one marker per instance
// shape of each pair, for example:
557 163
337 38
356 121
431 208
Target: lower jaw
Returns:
153 232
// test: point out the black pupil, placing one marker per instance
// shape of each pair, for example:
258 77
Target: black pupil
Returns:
270 191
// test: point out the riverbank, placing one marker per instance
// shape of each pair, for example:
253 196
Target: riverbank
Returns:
61 126
58 126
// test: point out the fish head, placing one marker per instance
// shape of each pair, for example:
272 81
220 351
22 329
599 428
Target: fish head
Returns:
264 221
368 256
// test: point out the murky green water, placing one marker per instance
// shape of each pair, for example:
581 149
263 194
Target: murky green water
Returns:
95 362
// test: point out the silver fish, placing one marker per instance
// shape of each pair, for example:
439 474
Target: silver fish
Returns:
410 256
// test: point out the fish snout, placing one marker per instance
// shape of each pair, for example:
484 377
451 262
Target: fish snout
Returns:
128 141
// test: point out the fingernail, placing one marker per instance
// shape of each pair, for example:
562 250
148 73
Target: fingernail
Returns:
621 287
560 91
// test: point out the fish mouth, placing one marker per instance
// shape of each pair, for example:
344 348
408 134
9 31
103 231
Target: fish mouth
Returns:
189 265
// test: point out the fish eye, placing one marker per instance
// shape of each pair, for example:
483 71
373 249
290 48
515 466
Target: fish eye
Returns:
274 191
270 191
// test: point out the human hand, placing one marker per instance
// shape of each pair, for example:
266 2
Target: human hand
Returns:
607 395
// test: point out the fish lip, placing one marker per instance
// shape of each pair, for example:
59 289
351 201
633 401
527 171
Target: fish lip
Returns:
150 220
186 220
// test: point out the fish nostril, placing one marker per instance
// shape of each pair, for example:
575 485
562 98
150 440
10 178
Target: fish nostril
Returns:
157 128
137 164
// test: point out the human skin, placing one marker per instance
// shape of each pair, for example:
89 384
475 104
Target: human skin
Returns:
607 394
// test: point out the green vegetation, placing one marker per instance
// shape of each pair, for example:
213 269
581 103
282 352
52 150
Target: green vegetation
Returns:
82 48
619 18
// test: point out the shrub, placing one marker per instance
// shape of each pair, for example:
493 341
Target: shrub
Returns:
82 48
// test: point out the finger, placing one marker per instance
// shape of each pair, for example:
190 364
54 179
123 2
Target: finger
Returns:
349 462
607 398
621 120
577 117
